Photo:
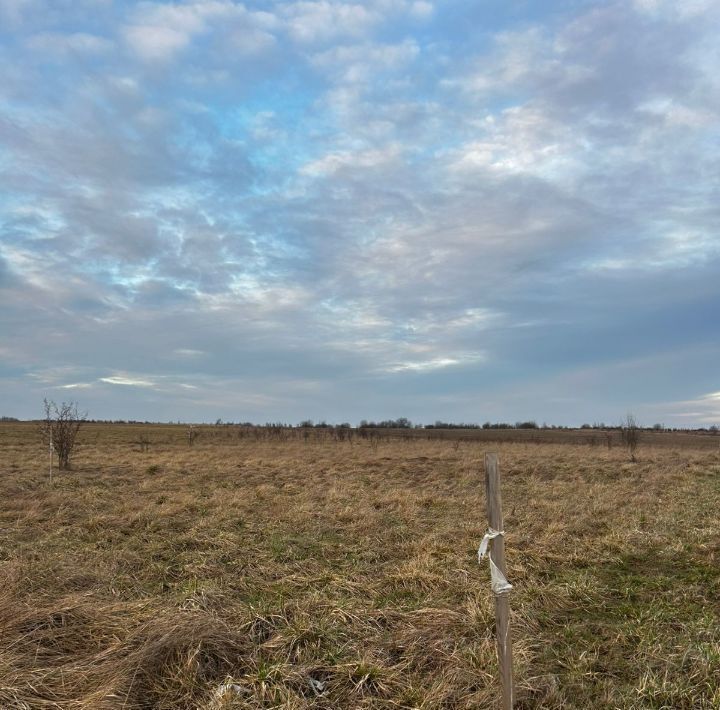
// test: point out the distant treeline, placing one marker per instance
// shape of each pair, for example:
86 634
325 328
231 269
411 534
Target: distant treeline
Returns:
404 423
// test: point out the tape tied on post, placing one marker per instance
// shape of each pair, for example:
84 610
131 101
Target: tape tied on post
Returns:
498 582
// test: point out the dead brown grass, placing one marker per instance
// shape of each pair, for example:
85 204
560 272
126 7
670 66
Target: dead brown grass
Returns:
244 574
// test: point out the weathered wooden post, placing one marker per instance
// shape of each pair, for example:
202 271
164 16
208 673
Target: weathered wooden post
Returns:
500 586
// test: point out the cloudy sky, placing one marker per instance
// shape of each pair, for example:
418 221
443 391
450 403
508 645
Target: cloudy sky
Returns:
341 210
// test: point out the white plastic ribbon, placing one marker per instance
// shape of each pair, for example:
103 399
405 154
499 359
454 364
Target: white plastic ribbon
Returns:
498 582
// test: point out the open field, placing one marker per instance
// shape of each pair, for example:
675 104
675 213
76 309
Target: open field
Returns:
329 574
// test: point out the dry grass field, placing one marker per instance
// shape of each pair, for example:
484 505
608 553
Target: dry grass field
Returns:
253 574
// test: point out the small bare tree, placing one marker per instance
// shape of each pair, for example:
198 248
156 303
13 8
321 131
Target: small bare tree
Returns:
143 441
630 434
59 429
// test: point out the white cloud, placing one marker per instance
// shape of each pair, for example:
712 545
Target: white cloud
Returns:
437 363
674 113
668 248
156 43
421 9
250 41
670 8
704 410
13 12
365 62
309 22
522 139
127 381
158 31
77 42
364 159
423 366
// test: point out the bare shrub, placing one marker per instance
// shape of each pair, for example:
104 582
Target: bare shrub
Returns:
59 429
143 441
630 434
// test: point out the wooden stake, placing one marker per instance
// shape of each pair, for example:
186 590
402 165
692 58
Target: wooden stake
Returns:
497 555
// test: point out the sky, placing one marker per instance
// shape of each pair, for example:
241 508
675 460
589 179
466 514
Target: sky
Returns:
273 211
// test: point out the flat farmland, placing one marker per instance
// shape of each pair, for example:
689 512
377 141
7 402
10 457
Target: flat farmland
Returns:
245 572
